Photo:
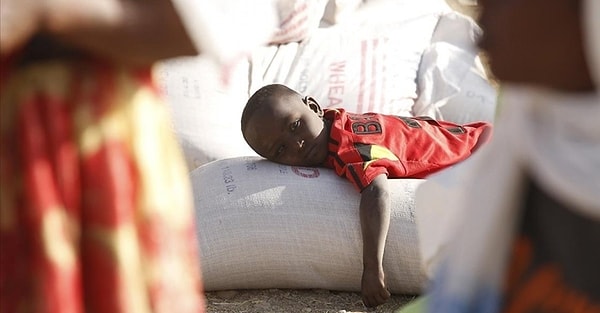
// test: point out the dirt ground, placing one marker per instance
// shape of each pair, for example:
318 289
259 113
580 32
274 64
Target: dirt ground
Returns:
311 300
293 300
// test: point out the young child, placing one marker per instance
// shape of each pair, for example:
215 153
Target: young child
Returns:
284 127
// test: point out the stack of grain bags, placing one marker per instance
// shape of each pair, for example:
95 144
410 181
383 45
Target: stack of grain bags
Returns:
263 225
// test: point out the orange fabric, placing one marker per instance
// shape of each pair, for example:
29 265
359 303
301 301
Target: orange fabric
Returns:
96 210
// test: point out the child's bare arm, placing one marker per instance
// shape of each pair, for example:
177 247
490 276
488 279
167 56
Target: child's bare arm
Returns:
374 221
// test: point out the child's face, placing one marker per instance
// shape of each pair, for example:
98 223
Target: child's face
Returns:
288 131
535 42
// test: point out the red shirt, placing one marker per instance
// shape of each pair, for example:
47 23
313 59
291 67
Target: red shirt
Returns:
363 146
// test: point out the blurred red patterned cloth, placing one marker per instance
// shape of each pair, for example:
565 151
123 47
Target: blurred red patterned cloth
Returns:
96 208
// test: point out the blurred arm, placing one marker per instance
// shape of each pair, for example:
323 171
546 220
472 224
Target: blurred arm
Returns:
132 32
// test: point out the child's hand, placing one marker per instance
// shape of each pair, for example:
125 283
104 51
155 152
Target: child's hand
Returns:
373 289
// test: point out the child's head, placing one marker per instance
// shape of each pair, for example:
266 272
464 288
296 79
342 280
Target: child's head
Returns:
284 127
536 42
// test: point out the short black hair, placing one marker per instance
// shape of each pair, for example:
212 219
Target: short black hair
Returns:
261 97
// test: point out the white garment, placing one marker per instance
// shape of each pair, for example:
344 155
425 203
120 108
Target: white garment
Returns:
554 137
466 232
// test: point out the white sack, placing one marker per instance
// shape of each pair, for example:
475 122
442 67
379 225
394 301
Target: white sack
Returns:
453 84
205 110
369 63
297 19
265 225
227 29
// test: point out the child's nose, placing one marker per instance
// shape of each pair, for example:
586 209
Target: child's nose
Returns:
300 143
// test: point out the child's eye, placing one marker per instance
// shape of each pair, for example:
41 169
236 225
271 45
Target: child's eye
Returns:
295 125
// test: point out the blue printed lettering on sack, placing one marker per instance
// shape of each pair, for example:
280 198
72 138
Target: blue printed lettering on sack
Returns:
228 179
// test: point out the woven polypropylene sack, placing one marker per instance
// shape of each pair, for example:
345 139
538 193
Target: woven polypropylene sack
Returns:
265 225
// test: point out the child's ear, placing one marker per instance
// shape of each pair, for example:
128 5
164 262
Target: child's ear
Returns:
313 105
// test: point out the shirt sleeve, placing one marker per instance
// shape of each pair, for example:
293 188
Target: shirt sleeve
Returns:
362 174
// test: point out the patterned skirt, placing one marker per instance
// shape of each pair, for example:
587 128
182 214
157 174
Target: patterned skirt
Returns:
96 211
